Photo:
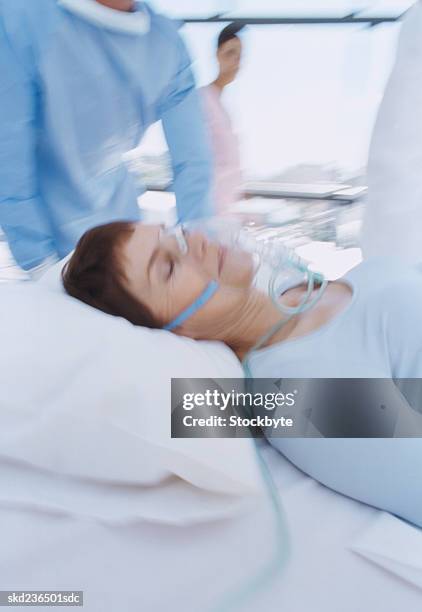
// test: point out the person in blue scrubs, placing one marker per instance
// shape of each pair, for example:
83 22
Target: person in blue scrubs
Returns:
81 81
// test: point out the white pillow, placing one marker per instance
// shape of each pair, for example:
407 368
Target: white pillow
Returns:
52 278
88 395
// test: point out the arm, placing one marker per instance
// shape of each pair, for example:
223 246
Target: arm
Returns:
186 135
21 212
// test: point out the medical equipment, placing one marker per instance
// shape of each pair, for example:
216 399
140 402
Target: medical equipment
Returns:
277 268
206 295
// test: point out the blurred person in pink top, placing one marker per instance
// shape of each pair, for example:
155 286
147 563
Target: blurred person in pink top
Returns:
227 180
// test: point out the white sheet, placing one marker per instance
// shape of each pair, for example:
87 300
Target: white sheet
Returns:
394 545
162 569
172 501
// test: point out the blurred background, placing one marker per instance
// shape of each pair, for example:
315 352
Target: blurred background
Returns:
304 104
306 96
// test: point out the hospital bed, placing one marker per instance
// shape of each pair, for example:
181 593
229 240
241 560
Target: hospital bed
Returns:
345 556
95 496
188 542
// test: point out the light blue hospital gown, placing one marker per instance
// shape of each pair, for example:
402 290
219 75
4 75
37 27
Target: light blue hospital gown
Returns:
378 335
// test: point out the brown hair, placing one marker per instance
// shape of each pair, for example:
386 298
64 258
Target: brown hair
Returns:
95 275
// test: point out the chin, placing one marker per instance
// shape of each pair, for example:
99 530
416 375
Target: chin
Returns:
238 269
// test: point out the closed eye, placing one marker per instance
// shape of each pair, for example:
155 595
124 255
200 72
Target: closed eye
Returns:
171 269
171 266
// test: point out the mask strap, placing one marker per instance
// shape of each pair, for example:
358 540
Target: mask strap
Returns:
206 295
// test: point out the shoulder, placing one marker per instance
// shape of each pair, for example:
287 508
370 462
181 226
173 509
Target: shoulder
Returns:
166 40
382 271
396 283
209 99
205 93
28 23
27 11
164 26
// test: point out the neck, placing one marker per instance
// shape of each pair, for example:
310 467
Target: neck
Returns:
244 329
220 83
118 5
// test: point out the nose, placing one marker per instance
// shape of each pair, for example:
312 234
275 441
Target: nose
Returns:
174 240
184 243
197 244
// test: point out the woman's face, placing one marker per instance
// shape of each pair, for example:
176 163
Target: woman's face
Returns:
229 56
168 281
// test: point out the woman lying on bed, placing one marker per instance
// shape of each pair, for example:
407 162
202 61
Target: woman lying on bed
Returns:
366 325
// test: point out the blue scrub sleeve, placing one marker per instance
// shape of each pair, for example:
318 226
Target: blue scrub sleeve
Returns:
22 217
187 138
